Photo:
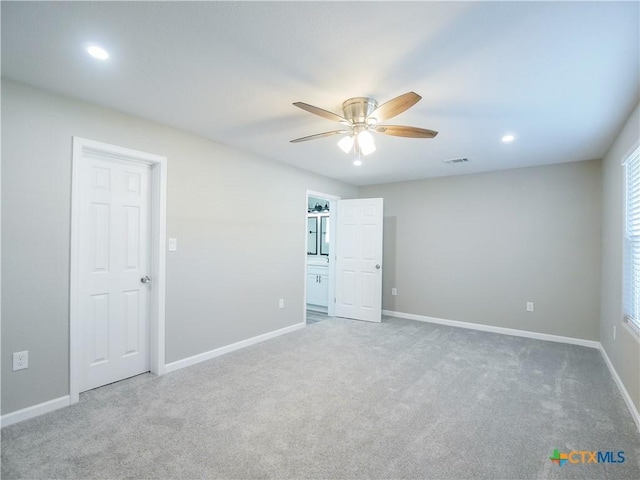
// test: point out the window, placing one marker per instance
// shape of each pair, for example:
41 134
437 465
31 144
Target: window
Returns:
631 305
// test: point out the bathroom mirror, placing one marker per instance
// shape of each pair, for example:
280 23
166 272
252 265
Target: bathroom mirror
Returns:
312 236
324 235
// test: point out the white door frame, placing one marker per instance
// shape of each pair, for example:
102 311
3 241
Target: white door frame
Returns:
333 205
158 237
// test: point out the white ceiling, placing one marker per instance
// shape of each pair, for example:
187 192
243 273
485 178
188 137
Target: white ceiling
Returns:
561 76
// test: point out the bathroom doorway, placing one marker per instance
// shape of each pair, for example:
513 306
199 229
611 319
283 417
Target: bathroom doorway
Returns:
320 253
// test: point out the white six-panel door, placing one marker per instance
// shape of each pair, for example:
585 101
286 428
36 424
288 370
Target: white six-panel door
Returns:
114 258
359 259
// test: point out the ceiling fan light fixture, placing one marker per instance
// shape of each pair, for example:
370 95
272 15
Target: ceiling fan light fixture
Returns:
357 162
360 116
369 149
346 143
365 142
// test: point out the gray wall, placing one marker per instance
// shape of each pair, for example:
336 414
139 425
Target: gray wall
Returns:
476 248
472 248
235 259
624 351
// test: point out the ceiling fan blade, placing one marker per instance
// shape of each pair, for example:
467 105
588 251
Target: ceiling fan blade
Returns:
400 131
319 135
395 106
319 111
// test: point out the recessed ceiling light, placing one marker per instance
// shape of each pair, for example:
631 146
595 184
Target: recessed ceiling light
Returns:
98 52
508 138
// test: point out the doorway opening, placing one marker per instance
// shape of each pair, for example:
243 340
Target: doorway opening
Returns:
320 244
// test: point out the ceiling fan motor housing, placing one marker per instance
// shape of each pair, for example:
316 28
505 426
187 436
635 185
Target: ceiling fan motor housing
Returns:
357 109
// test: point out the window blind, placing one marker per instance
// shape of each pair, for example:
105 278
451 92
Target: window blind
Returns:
632 240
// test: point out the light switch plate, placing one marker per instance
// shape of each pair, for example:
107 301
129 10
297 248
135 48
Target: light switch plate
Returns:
173 244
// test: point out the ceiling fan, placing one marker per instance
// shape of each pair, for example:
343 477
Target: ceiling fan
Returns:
361 115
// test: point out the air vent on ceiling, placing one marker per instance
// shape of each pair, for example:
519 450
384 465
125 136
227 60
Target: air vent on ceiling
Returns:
457 160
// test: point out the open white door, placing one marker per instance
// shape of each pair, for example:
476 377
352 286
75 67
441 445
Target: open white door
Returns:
359 259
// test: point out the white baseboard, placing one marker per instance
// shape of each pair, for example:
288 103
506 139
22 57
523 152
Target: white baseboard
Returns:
57 403
34 411
187 362
502 330
627 398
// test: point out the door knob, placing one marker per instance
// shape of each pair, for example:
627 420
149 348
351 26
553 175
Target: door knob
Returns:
145 279
377 266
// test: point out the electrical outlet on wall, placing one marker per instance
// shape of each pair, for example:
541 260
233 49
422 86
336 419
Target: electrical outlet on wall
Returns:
529 306
281 303
394 291
20 360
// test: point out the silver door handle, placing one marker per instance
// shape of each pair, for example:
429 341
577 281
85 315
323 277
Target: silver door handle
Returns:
145 279
377 266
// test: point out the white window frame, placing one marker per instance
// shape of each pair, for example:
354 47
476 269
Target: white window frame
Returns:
631 247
